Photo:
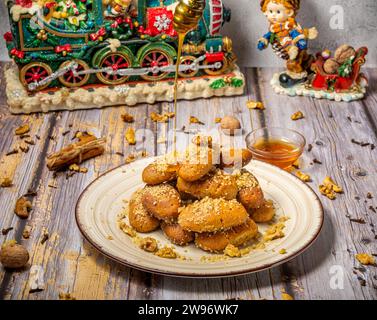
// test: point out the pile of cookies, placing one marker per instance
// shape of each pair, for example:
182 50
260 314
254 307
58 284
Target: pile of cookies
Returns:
197 200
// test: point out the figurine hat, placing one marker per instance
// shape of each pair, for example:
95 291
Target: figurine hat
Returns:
295 4
122 2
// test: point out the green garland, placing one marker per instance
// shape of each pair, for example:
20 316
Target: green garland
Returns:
34 42
221 83
346 68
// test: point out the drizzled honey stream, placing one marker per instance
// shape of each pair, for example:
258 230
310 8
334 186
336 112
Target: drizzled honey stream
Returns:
186 18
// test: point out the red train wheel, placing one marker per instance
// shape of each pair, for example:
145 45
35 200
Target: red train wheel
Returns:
155 58
188 60
69 79
215 71
115 60
35 72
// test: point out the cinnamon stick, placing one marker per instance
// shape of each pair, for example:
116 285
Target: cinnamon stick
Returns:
86 148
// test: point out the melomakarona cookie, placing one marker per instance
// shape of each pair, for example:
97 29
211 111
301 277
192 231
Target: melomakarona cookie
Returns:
138 217
237 236
162 201
210 215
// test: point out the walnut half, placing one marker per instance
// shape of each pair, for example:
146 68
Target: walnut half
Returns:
23 208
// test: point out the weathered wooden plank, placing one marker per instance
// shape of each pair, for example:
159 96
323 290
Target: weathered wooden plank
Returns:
23 169
370 101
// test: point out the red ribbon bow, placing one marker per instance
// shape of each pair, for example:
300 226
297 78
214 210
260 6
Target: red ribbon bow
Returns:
8 36
50 5
65 47
120 20
24 3
100 33
17 53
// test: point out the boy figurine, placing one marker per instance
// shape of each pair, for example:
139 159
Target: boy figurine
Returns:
288 39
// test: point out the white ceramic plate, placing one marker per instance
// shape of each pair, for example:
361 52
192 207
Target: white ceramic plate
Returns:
102 201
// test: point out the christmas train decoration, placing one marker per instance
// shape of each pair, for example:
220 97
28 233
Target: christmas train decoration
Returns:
74 43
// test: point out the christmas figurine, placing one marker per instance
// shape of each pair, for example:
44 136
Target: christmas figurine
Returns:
116 8
288 39
336 78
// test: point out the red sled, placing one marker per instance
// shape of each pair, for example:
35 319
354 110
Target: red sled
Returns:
334 82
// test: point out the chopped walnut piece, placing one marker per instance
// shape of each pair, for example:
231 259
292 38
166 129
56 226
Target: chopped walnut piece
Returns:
130 136
78 135
155 117
25 128
329 182
303 176
130 158
297 116
6 182
23 208
329 188
166 252
286 296
27 232
327 192
366 259
127 229
66 296
195 120
232 251
74 167
255 105
276 231
149 244
126 117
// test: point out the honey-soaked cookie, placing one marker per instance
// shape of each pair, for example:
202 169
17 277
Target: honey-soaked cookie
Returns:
175 233
263 214
237 236
215 185
138 217
162 201
210 215
250 193
197 163
159 172
235 158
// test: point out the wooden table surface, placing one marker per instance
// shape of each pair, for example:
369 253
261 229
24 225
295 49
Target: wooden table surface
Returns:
71 265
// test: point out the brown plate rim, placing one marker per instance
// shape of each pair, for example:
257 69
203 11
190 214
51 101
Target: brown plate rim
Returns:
200 275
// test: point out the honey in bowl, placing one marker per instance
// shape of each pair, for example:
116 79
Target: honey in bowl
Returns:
277 146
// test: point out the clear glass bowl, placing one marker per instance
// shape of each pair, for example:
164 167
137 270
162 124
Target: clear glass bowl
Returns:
278 146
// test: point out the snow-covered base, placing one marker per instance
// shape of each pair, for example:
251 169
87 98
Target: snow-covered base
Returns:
20 101
304 89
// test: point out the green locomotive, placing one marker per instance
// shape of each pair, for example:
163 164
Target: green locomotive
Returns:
74 43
